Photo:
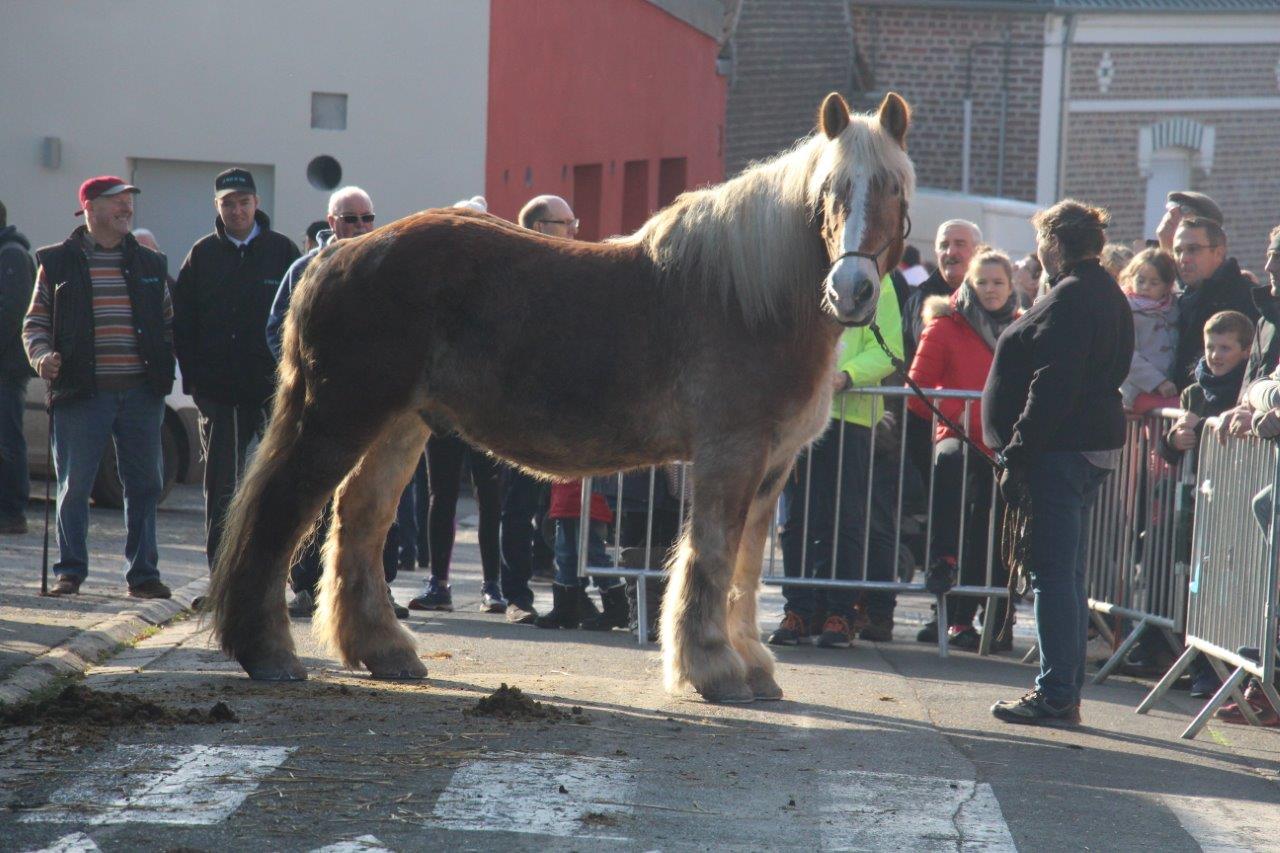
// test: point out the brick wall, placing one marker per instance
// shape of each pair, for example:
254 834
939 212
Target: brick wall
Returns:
1102 168
923 54
788 54
1176 71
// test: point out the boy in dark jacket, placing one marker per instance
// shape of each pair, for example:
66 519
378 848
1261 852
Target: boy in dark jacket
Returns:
1228 339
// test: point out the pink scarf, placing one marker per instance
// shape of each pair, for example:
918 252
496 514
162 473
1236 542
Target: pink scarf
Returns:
1146 305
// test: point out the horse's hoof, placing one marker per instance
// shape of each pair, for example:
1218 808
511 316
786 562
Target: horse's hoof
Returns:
277 669
763 687
397 667
728 694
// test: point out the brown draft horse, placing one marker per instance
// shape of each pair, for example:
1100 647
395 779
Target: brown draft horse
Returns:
708 335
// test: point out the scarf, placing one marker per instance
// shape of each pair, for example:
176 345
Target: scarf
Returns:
988 324
1145 305
1220 392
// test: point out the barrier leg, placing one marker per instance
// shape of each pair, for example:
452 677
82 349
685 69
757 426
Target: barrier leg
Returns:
642 610
1103 628
1246 710
1163 685
984 643
1032 653
1228 687
943 625
1118 656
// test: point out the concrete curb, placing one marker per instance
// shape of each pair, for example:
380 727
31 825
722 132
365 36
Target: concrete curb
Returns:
90 646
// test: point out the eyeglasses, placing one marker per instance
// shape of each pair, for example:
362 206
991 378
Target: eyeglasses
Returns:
353 218
571 223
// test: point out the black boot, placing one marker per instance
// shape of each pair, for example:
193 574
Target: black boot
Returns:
564 608
615 612
654 590
586 607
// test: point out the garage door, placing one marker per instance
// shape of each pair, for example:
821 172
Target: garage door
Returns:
177 200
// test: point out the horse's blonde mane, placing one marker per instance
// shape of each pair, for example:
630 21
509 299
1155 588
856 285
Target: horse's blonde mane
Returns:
751 238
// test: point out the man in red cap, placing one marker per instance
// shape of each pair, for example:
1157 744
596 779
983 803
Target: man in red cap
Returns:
100 331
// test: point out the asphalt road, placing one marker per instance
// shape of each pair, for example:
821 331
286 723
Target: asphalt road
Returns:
882 747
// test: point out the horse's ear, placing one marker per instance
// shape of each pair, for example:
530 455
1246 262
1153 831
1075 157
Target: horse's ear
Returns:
895 117
833 118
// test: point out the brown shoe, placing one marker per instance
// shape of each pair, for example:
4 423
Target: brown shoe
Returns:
66 585
150 589
518 615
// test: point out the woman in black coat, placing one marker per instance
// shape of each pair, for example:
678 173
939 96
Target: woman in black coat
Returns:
1052 406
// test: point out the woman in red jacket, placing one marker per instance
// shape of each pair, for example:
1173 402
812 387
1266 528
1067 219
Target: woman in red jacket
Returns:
955 352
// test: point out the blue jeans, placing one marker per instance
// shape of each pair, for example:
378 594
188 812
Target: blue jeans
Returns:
567 553
1063 487
15 479
81 429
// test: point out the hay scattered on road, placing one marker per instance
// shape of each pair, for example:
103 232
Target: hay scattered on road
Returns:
78 705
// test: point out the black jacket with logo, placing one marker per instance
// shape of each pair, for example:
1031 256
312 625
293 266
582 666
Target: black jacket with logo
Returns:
1055 379
66 269
220 306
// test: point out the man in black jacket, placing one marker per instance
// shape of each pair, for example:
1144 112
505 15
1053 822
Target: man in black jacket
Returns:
1052 406
100 330
17 278
221 302
1211 282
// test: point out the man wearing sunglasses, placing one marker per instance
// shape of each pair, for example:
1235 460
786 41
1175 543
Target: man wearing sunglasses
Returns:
220 303
350 215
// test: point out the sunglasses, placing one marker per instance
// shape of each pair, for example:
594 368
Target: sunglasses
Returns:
353 218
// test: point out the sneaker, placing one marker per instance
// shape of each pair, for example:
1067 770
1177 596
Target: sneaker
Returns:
518 615
303 604
66 585
963 637
434 596
836 634
15 526
400 610
150 589
1205 684
929 633
879 629
790 631
491 600
1034 710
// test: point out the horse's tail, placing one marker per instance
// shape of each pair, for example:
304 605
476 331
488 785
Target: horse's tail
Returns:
295 470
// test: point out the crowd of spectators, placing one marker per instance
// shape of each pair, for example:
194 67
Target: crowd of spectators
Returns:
99 319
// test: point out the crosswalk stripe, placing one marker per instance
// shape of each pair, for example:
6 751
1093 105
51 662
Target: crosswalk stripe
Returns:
362 844
539 793
199 785
76 842
1225 826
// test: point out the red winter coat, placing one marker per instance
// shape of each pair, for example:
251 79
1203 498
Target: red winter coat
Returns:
566 502
950 355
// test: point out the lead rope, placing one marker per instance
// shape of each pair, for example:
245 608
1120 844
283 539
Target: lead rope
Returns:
1015 528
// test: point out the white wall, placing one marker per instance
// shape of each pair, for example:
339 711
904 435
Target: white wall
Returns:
231 81
1005 223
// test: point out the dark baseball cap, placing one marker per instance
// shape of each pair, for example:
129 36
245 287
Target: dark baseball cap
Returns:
1200 205
103 185
233 181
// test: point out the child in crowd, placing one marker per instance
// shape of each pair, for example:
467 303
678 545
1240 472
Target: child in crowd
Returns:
1148 283
1228 337
571 606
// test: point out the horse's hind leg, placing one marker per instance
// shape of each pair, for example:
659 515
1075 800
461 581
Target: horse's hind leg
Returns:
696 645
744 628
354 615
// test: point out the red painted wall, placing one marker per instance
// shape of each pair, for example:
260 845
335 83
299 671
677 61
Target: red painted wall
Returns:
573 83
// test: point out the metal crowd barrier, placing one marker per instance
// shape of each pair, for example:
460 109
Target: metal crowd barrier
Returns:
1136 558
867 577
1232 593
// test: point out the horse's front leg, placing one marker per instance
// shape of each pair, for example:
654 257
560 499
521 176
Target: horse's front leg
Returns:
744 627
696 647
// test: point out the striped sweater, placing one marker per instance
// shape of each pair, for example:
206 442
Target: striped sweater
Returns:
117 361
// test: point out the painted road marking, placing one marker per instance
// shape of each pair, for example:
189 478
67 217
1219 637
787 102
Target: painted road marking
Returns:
1225 826
363 844
76 842
894 811
538 793
195 785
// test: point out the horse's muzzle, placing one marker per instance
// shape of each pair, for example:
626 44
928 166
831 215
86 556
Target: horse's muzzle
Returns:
853 304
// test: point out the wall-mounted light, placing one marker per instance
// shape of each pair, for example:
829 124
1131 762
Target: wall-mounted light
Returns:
51 152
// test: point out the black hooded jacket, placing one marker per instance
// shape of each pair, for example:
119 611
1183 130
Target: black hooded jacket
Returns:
1265 353
1225 290
913 311
221 302
17 279
1055 379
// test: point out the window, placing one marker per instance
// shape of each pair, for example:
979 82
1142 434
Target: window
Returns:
1170 172
635 194
587 182
329 110
673 176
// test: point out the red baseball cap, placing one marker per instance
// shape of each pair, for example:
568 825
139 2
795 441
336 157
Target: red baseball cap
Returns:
101 186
